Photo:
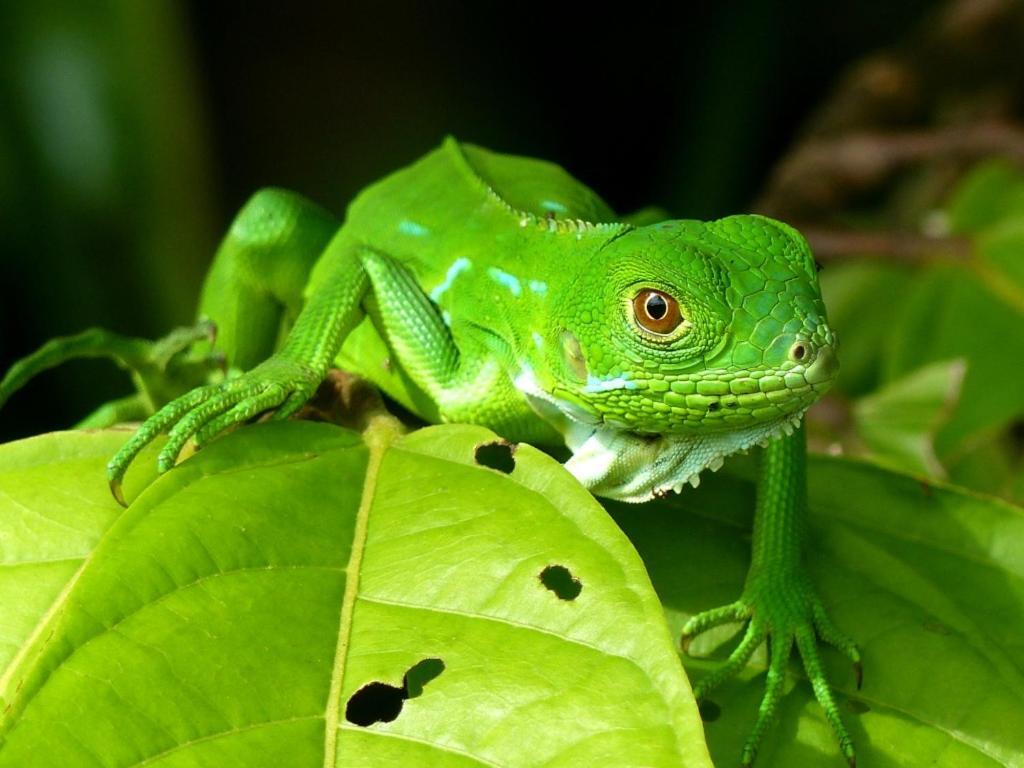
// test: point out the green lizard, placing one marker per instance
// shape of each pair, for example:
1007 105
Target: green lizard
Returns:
485 288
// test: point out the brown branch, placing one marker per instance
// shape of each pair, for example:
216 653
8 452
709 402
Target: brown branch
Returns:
822 174
831 245
949 93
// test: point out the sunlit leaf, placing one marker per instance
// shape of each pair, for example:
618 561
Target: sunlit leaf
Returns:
293 596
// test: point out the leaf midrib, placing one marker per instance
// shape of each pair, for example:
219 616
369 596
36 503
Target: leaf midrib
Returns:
378 436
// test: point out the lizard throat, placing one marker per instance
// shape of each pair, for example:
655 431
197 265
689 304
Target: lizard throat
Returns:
623 465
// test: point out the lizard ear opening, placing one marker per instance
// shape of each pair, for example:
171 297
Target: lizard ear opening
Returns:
657 312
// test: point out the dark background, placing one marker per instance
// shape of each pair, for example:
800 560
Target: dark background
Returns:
131 132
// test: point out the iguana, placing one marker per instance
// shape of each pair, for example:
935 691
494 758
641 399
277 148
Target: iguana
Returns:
479 287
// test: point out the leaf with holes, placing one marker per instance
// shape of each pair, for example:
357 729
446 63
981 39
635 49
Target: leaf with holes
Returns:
928 579
297 595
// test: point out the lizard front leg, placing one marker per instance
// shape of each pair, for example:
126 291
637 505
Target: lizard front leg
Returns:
284 381
779 603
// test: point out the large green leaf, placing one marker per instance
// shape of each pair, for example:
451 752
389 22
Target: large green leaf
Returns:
295 596
928 579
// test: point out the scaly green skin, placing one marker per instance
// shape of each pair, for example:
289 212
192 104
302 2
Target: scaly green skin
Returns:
498 290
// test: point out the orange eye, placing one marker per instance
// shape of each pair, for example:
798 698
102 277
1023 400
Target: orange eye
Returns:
656 312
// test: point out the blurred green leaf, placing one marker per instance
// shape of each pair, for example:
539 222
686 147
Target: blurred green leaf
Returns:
995 464
106 211
949 312
211 623
893 321
928 579
860 297
898 422
992 192
1001 250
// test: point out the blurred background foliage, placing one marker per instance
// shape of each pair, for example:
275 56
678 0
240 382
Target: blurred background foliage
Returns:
890 132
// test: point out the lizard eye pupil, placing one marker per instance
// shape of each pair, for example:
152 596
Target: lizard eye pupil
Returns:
656 306
656 311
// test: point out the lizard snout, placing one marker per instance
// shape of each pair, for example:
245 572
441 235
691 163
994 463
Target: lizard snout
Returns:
824 363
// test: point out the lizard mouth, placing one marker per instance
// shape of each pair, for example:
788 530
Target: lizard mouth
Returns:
713 400
637 439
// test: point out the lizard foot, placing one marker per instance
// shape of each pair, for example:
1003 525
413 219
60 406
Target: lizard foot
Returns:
278 383
782 609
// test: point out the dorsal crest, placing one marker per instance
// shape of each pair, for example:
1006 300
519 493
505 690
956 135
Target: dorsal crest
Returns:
547 221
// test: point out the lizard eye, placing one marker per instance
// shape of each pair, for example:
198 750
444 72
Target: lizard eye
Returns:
656 311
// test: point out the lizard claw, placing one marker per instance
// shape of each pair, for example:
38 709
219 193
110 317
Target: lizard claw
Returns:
117 492
207 411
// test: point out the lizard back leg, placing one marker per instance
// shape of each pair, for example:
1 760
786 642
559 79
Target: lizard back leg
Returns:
254 289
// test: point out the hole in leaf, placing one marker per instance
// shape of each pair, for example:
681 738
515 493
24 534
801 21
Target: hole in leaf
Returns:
936 626
709 711
560 580
379 702
374 703
497 455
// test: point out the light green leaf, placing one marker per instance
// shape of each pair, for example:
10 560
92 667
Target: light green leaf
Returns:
212 624
928 579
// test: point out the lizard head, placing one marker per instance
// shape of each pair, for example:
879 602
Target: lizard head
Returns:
683 342
699 327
